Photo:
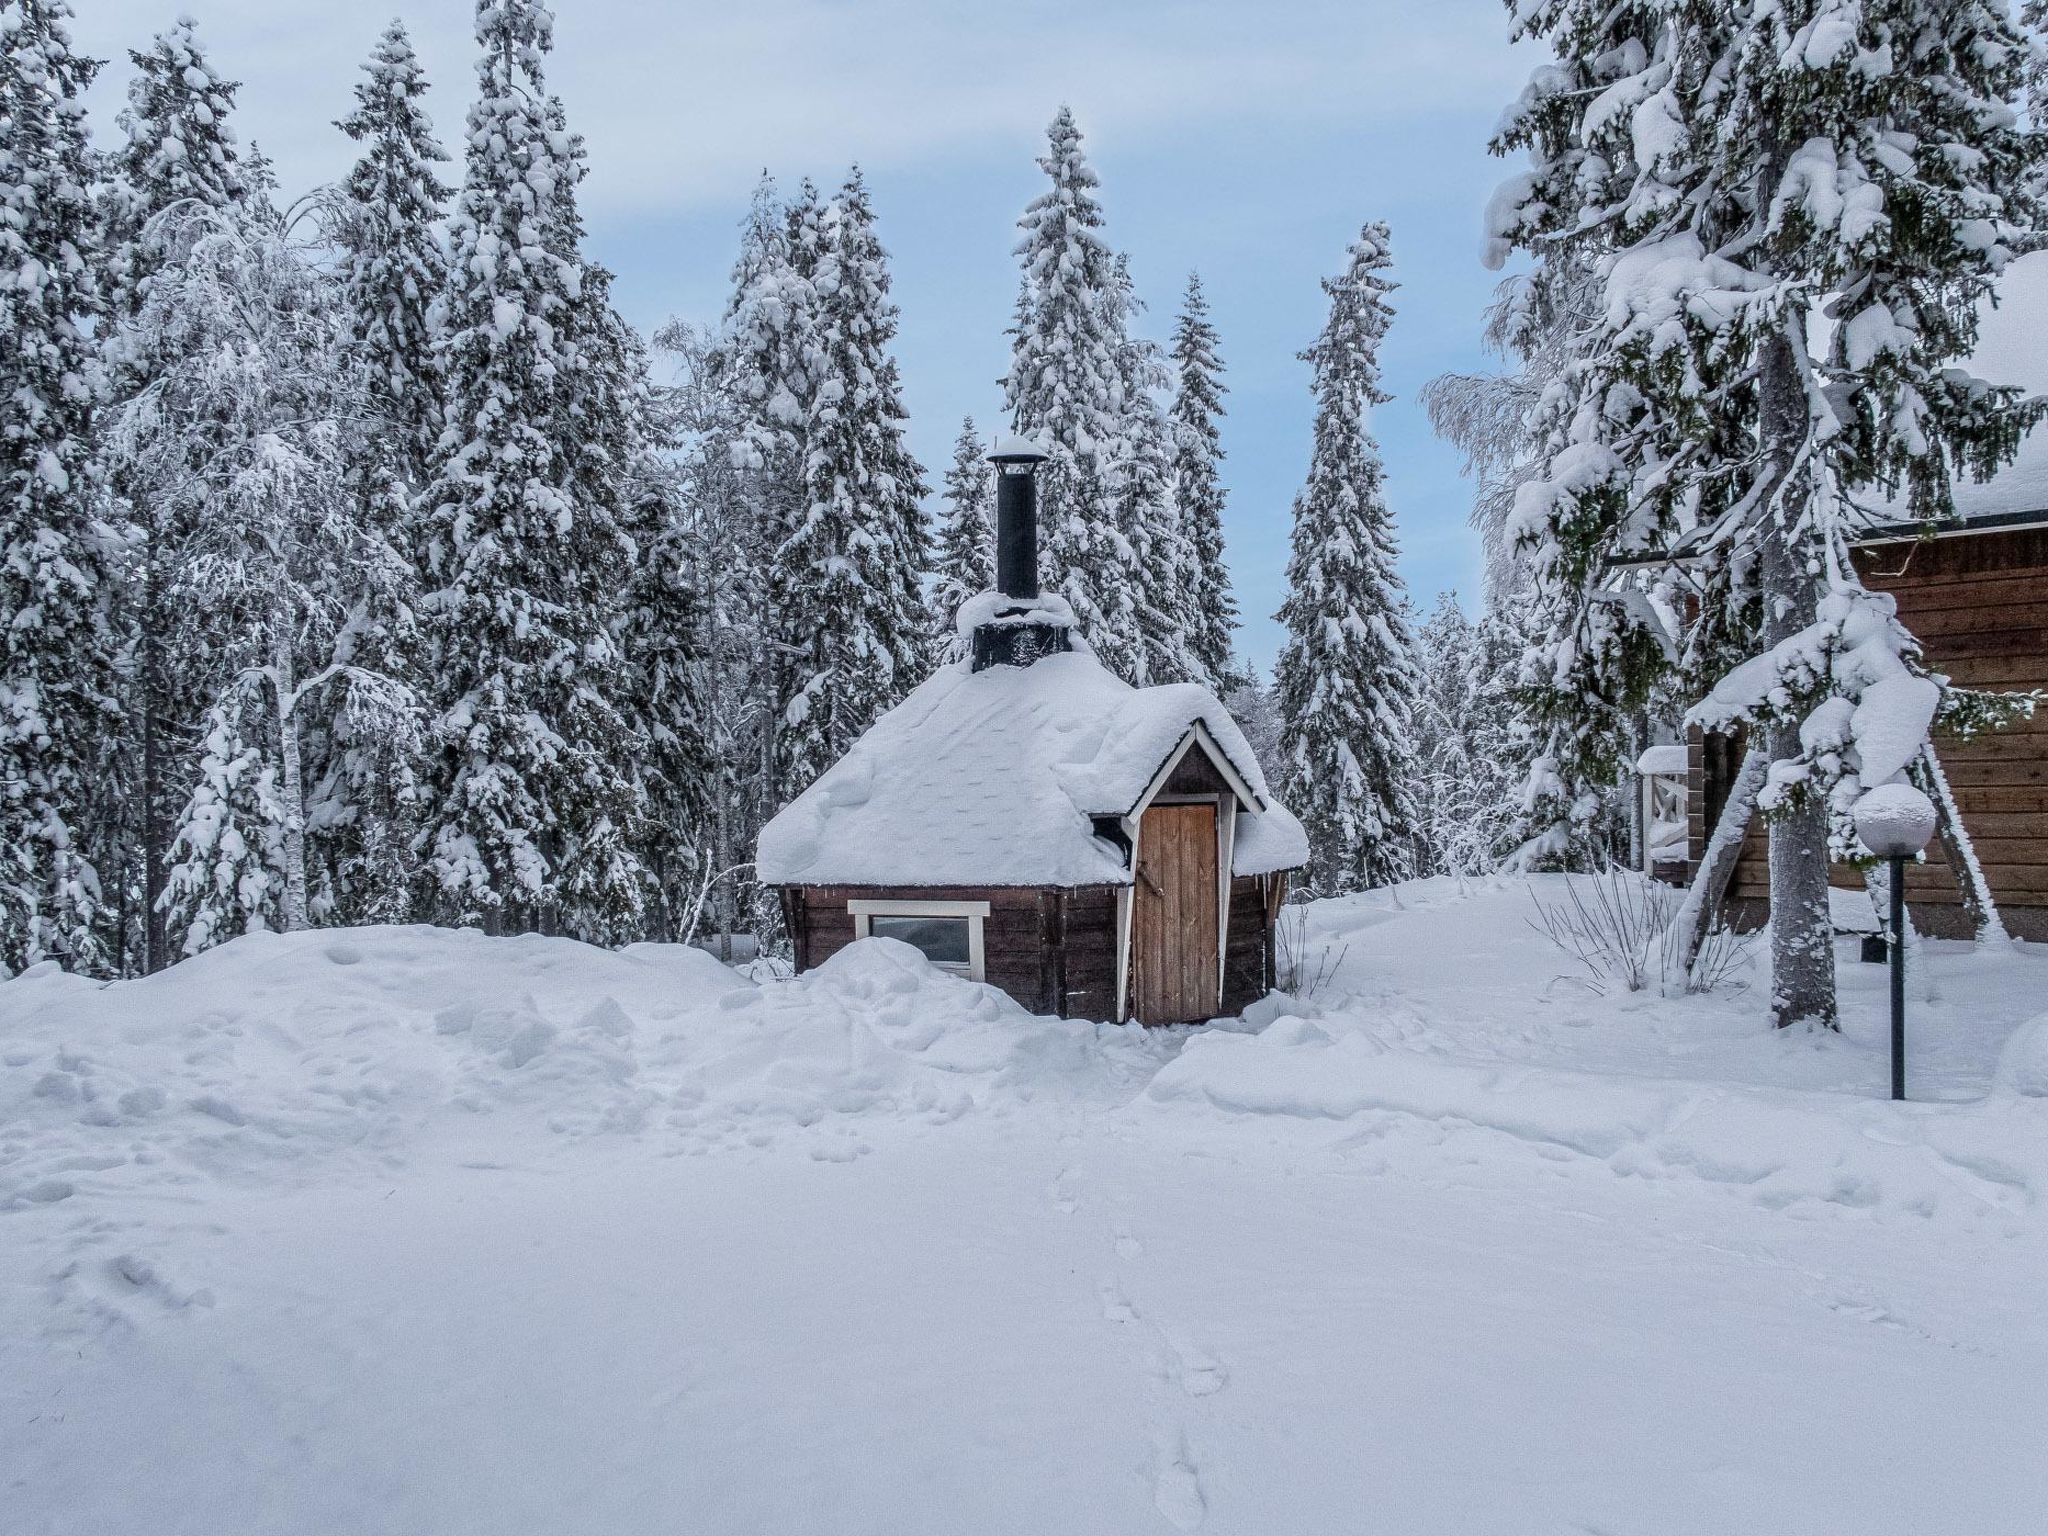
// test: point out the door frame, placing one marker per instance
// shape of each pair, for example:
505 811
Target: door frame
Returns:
1240 797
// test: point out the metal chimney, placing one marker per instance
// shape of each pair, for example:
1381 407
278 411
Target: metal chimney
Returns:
1016 460
1018 634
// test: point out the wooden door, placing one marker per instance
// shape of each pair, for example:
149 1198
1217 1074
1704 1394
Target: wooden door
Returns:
1174 938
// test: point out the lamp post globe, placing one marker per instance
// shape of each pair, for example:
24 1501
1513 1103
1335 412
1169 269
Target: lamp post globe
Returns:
1895 822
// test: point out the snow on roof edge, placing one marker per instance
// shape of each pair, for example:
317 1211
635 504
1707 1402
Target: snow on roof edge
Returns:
996 777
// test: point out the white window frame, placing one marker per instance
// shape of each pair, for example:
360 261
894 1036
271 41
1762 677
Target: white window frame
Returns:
976 913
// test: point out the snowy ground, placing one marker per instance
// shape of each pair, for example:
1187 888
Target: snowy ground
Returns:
408 1231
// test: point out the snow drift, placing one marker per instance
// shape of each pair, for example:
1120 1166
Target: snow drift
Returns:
1774 1147
283 1055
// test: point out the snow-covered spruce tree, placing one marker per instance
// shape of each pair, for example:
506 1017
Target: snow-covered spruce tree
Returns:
59 705
531 777
393 269
1750 175
1346 676
1141 474
855 560
177 165
1198 493
1064 390
747 390
391 274
177 148
769 361
661 639
964 548
242 436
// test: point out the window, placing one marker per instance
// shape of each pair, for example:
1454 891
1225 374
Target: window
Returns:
948 933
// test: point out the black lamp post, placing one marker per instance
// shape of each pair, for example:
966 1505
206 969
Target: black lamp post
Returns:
1895 821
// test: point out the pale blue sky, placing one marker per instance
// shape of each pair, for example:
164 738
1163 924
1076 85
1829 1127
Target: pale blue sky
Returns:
1247 140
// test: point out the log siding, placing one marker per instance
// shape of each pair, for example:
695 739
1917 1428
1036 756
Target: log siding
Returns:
1978 603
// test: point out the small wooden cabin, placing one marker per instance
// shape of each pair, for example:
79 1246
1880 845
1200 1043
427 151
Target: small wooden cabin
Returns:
1028 819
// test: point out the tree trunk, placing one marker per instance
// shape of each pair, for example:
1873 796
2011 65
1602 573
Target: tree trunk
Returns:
155 838
291 789
1638 831
1802 936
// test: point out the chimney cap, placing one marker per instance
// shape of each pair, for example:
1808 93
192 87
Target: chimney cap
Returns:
1014 448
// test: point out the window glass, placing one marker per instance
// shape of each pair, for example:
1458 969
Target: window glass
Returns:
943 939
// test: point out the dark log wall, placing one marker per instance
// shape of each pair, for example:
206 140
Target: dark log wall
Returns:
1979 605
1054 951
1248 947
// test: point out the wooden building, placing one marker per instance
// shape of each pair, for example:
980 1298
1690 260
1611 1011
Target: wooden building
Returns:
1974 592
1976 597
1028 819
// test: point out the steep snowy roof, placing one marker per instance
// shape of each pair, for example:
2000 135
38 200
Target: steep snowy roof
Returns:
2012 348
995 778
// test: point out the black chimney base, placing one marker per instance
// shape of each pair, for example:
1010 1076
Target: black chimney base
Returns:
1017 645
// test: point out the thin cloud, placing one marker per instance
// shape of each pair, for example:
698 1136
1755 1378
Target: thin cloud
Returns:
683 105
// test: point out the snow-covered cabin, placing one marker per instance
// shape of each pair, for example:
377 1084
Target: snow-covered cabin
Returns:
1028 819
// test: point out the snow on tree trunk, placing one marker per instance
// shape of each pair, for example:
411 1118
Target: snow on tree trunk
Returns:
1695 916
291 784
1961 852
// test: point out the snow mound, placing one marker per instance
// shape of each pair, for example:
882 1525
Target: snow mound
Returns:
877 1030
1775 1148
298 1056
2023 1064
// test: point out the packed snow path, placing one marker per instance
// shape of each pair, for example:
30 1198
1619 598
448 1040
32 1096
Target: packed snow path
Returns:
451 1235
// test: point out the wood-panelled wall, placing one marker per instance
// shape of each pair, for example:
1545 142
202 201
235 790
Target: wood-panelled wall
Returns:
1979 604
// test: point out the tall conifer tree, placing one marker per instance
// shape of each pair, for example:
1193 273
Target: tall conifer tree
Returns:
393 269
1065 388
965 558
857 556
58 690
392 273
178 166
1198 486
532 778
1346 676
1141 468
